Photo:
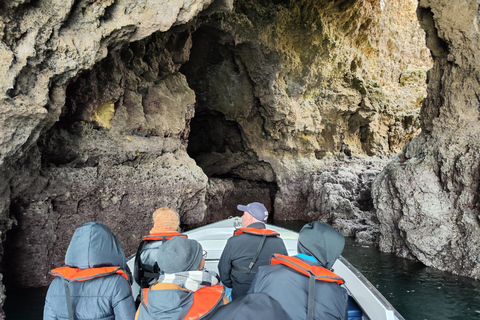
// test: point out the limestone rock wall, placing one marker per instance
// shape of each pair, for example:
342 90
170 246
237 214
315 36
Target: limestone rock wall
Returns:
298 87
427 198
112 108
65 161
116 154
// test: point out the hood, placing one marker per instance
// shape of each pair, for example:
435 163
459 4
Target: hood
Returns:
321 241
94 245
255 305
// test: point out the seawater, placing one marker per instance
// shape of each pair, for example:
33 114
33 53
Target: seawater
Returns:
416 291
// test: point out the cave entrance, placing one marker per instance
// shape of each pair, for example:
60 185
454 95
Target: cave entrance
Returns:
217 141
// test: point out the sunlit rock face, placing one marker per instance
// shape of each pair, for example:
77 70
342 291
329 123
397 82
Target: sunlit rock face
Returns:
288 92
111 109
427 198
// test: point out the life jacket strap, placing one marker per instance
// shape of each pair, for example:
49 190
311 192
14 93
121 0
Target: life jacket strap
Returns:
68 299
260 247
255 257
154 275
242 269
311 297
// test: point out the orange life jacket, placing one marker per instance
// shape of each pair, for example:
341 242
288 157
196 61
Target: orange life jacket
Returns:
320 273
260 232
313 272
70 274
167 235
204 299
143 277
76 274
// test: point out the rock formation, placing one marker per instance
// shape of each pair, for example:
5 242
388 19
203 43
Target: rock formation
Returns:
110 109
63 160
427 198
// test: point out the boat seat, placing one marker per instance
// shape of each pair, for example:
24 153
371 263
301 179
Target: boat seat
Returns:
354 310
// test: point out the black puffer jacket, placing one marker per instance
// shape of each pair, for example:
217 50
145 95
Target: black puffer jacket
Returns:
251 306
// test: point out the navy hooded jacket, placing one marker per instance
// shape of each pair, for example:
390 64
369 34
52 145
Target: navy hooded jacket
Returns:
321 245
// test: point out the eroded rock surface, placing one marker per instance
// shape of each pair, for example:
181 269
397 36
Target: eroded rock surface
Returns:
285 89
63 163
111 109
427 198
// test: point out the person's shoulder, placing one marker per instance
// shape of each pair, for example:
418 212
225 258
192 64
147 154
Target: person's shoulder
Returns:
270 269
232 242
115 280
237 237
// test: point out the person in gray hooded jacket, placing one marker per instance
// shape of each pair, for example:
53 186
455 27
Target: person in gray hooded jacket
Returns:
94 283
184 290
305 285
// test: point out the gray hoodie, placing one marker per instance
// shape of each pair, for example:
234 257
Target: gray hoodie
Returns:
106 297
322 242
290 288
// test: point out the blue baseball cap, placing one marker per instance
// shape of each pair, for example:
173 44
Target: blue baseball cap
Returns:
256 209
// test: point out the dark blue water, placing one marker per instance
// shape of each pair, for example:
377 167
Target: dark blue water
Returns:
24 304
416 291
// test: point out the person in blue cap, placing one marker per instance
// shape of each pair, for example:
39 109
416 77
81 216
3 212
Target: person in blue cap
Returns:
250 247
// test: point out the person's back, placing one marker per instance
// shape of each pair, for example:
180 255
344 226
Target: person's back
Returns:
99 298
250 247
290 289
184 289
93 284
288 280
165 226
251 306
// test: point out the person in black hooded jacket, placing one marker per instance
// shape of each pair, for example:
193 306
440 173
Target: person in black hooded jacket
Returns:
288 280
